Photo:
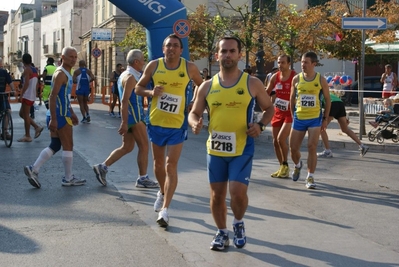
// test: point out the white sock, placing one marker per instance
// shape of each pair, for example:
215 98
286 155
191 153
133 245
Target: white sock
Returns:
44 156
310 174
67 159
237 221
142 177
225 231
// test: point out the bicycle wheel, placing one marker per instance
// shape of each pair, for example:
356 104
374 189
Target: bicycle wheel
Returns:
7 129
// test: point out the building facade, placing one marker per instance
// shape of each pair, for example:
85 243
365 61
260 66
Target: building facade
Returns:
44 27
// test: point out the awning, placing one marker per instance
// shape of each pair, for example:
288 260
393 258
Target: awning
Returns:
385 48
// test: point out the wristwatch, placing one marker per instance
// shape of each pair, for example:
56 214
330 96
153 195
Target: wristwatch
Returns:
262 126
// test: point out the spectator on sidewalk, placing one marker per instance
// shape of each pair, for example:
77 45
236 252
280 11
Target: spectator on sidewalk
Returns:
389 81
385 114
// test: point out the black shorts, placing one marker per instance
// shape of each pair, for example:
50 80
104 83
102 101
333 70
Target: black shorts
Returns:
337 109
115 91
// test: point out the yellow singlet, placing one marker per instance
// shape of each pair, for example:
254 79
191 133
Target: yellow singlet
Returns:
168 110
231 109
308 95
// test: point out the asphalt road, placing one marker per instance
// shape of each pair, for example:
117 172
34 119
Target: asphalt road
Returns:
351 219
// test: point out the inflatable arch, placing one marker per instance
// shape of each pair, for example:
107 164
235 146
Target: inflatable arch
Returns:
159 18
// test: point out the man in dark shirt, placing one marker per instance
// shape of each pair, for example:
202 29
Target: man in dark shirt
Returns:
5 79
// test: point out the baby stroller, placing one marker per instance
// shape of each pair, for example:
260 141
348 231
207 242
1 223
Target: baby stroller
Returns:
388 130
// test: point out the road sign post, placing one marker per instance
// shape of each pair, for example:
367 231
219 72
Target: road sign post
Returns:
363 23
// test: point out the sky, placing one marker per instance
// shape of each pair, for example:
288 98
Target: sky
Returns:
7 5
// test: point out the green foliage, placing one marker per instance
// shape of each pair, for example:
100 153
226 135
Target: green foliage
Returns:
205 31
135 38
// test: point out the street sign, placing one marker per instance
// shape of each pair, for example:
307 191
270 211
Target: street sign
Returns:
101 34
96 52
182 28
361 23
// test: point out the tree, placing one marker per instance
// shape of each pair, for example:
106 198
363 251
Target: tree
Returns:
294 32
245 26
135 38
205 31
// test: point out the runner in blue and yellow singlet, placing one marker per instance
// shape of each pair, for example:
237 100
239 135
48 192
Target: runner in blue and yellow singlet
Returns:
167 122
305 102
62 118
132 127
230 96
83 77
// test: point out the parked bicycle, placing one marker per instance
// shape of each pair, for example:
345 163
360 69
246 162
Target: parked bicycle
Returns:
7 130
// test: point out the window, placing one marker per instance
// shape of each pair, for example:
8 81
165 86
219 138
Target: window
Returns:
313 3
270 5
44 39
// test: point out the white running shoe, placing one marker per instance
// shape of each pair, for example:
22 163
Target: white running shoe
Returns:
158 202
163 218
310 183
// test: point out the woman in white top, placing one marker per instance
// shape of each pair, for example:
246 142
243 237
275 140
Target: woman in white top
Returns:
390 81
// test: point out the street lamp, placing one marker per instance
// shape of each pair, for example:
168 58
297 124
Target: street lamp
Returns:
260 61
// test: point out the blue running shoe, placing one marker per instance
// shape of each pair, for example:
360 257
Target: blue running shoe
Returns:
73 182
101 173
220 241
32 176
297 172
239 235
146 183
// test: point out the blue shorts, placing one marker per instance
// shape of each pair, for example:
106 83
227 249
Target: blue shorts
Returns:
304 125
162 136
223 169
83 91
62 121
